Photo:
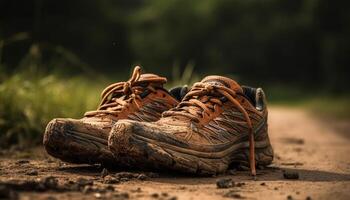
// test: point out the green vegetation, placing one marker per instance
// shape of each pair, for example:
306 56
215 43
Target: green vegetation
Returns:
318 102
30 101
330 107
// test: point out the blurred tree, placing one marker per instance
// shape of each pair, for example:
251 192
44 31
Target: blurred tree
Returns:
256 39
94 30
333 31
290 42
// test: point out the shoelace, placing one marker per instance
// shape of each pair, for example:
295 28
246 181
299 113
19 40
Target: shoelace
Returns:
119 95
204 90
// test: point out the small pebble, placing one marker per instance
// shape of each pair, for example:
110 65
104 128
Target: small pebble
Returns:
289 197
164 194
263 184
224 183
98 195
155 195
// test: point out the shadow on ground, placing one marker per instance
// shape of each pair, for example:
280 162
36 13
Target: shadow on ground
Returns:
268 174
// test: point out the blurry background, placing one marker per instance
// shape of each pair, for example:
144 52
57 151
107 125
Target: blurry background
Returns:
56 56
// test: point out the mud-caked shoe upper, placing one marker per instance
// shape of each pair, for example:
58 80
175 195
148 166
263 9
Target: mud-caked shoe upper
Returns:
218 122
141 98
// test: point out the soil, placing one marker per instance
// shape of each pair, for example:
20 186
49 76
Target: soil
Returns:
312 161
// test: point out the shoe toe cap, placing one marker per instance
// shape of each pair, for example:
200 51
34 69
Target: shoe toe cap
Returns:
54 132
118 141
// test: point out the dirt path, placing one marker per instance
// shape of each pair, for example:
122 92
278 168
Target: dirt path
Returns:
309 147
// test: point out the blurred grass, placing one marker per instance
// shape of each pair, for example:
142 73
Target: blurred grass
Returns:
29 101
330 107
320 103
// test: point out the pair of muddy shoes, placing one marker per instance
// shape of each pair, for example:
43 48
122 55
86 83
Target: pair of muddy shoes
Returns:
140 124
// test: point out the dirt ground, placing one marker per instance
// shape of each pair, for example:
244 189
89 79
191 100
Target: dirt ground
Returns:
315 150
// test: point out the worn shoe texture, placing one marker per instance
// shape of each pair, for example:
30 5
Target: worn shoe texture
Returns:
142 98
217 124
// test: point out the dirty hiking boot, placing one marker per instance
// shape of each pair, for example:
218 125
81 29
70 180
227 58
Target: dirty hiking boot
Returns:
216 125
142 98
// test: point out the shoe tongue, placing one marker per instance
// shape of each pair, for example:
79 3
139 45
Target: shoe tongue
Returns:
223 81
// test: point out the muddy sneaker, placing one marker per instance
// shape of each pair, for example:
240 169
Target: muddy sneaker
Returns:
142 98
217 124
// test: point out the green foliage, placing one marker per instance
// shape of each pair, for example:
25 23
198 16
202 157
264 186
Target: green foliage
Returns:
30 101
270 41
260 41
330 107
318 103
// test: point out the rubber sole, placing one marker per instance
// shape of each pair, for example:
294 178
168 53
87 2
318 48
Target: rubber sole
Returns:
61 141
132 149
